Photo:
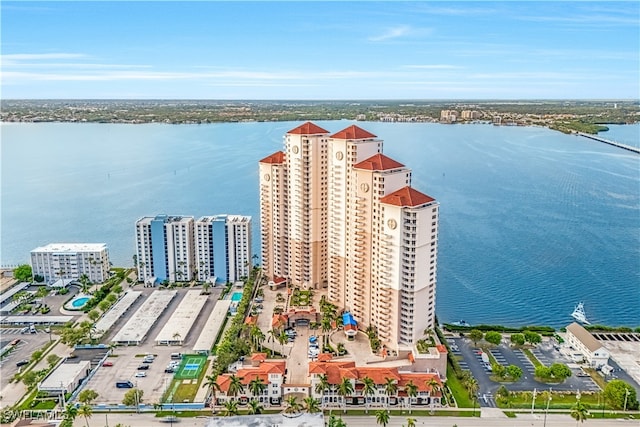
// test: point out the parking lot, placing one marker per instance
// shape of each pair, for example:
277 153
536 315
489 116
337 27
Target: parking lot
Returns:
470 358
127 359
26 346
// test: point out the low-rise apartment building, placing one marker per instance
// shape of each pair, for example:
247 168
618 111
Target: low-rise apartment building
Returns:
70 261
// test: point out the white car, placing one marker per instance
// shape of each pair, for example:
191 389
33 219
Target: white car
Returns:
141 374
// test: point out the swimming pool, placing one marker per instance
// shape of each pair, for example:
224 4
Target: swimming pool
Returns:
237 296
78 302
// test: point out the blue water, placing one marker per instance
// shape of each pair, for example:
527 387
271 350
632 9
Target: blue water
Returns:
237 296
79 302
532 221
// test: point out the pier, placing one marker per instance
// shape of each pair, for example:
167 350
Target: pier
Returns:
606 141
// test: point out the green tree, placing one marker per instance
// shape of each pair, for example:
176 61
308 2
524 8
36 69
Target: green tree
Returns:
579 412
255 407
36 355
52 359
293 406
542 372
133 397
617 391
412 392
335 422
230 408
86 411
257 386
390 388
345 389
85 283
498 370
411 422
235 386
493 337
517 339
434 388
70 413
560 371
93 315
322 386
514 372
475 335
30 379
23 273
382 418
532 337
472 386
311 405
369 389
87 396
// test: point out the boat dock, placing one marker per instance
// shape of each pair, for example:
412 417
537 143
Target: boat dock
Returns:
606 141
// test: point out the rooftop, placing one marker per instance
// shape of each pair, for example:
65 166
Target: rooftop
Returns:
275 158
308 128
378 162
406 197
71 247
584 336
353 132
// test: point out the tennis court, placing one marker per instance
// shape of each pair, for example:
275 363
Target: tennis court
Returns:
191 367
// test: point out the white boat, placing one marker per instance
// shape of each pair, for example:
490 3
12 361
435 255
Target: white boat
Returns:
579 315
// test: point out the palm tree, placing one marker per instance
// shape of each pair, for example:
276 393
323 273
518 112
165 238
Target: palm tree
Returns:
412 391
368 390
345 389
254 407
85 410
326 327
382 418
311 405
283 338
579 412
472 386
210 381
434 387
335 422
235 386
257 337
70 413
322 386
390 388
85 282
257 386
230 408
411 422
292 405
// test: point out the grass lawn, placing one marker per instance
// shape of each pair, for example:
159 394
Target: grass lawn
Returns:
458 390
185 391
558 401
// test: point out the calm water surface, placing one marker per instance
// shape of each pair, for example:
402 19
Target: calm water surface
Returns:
532 221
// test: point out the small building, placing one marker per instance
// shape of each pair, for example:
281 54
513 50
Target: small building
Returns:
582 341
65 378
270 372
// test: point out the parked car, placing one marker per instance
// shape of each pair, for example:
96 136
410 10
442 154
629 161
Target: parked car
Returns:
169 370
140 374
107 363
22 362
143 367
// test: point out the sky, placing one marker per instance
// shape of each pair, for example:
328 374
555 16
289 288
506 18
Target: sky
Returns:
320 50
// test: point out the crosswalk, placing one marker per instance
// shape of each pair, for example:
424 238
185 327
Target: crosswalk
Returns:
14 331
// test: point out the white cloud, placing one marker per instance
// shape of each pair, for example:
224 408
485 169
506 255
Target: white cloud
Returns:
392 33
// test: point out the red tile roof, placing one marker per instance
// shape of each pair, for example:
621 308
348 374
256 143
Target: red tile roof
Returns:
250 320
246 375
324 357
259 356
279 320
308 128
419 379
406 197
353 132
441 348
275 158
378 162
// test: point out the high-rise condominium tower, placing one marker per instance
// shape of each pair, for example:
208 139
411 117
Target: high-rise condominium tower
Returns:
335 212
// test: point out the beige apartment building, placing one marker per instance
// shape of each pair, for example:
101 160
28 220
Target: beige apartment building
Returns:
337 213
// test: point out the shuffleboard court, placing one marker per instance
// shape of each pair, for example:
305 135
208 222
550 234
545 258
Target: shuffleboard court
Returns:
191 367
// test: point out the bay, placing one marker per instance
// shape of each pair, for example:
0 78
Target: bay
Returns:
532 221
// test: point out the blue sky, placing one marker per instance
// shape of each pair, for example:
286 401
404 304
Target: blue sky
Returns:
320 50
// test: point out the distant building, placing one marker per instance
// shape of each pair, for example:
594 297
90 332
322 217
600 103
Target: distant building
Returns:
65 378
69 261
449 116
470 115
180 249
582 341
270 372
